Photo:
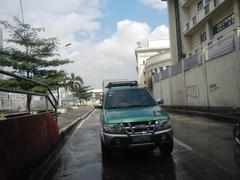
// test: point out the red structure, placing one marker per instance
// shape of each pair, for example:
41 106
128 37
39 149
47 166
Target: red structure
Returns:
25 140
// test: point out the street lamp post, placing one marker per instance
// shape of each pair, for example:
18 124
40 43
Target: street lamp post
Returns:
59 90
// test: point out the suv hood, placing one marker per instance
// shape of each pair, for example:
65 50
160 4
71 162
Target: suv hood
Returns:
138 114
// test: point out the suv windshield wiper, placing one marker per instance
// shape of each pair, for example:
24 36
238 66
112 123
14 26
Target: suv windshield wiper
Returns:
140 105
115 107
130 106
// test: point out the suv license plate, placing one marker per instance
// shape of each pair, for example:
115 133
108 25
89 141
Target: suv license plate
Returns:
141 139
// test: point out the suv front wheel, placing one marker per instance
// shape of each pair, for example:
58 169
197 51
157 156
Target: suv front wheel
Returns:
166 149
106 151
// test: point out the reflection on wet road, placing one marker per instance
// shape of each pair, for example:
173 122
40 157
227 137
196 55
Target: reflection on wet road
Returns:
204 149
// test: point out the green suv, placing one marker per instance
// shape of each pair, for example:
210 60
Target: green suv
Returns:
130 118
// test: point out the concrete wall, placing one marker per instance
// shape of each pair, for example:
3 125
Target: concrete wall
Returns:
224 81
195 86
178 90
157 90
166 92
211 84
24 141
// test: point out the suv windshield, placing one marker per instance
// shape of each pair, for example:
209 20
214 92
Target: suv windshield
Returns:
126 98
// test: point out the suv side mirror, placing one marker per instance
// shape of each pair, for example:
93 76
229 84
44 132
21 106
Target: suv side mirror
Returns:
160 101
98 106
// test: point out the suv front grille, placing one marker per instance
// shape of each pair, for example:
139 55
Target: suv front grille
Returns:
139 127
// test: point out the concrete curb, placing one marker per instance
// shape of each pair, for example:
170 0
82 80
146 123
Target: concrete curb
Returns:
66 129
206 114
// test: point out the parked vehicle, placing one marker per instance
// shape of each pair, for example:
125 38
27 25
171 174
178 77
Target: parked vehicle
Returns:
131 118
236 132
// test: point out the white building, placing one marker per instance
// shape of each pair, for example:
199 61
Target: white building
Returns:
204 41
203 28
96 97
156 64
151 60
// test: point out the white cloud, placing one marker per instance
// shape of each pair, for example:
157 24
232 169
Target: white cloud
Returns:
110 58
161 32
157 4
114 57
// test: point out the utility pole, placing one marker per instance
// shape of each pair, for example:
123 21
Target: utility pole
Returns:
1 47
1 39
22 11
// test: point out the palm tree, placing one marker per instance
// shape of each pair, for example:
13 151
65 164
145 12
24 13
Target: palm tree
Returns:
73 82
83 93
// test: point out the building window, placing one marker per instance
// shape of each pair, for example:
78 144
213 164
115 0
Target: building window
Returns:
194 20
223 24
203 37
200 5
207 9
152 72
161 69
188 26
220 37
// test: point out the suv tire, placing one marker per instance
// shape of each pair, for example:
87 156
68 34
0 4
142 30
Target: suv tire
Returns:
166 149
106 151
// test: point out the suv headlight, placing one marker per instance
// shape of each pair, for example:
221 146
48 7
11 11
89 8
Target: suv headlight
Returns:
162 124
113 128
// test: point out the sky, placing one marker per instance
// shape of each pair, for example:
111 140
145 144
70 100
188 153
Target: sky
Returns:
103 33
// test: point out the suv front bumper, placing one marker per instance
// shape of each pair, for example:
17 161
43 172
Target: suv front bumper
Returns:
137 140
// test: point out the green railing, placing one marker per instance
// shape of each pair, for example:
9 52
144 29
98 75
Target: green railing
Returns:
49 97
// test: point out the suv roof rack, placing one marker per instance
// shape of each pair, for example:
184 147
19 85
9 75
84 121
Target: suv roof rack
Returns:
122 83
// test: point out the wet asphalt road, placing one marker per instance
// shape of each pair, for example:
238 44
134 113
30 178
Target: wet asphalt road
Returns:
204 149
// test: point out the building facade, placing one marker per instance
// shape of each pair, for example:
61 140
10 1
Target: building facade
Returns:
202 28
96 97
204 41
156 64
151 60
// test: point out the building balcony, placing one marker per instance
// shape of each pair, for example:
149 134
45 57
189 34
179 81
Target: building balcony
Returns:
202 16
186 3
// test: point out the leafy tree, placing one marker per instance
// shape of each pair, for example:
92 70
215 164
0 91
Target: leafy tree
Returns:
32 57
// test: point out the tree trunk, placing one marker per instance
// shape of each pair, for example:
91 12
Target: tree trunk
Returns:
29 99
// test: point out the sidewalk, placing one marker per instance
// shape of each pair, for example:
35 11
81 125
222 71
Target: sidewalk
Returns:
219 116
71 117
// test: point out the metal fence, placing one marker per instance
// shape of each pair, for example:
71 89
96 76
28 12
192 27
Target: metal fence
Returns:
221 46
165 73
156 77
48 95
176 69
193 60
218 47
